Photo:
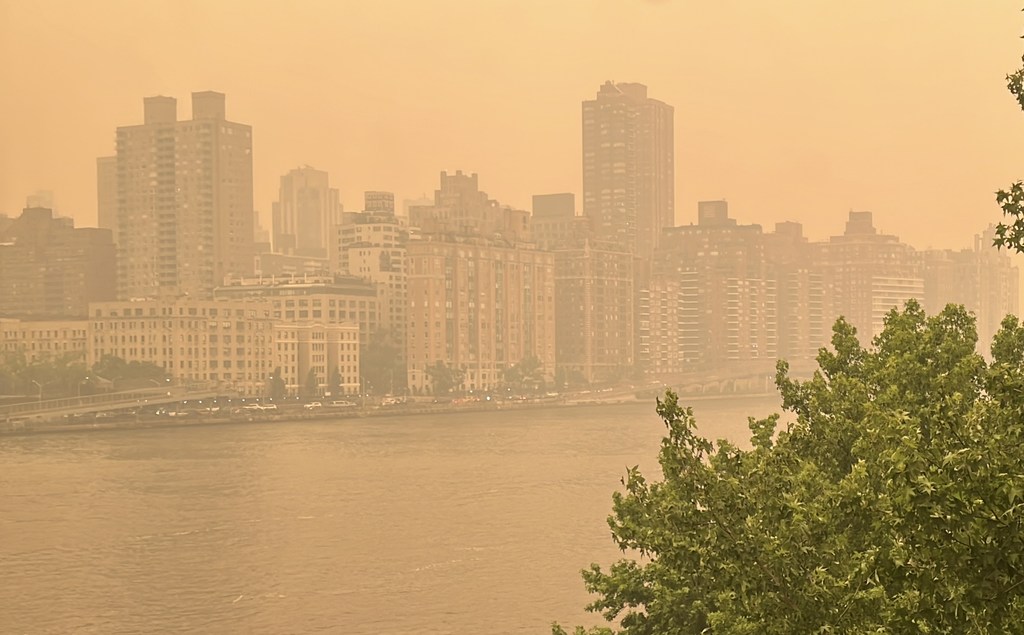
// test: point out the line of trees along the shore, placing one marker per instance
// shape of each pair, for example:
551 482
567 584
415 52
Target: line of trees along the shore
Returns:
67 375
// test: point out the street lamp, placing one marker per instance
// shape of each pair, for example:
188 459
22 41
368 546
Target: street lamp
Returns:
40 390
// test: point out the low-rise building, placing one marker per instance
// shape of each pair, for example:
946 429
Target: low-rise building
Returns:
44 340
235 344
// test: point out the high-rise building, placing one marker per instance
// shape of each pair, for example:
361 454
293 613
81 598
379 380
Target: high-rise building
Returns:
554 205
372 245
481 296
594 313
305 214
868 274
106 194
379 202
720 301
49 268
982 279
794 266
555 225
628 166
184 215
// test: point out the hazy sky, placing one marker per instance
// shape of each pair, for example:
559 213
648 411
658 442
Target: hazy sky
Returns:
792 110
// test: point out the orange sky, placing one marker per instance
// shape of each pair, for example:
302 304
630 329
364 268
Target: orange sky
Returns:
791 110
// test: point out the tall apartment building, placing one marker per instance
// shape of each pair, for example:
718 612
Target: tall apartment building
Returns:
48 268
711 280
461 209
184 215
593 313
376 201
982 279
106 194
480 306
555 225
236 344
481 296
796 269
868 274
594 303
372 246
628 166
305 214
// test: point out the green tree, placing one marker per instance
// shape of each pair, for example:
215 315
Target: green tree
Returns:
276 388
1011 234
311 388
526 376
53 376
335 383
444 378
892 503
512 377
381 365
128 375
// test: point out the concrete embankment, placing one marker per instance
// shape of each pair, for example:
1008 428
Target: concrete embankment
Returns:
295 413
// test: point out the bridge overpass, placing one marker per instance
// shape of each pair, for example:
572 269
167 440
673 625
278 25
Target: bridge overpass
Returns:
742 377
38 414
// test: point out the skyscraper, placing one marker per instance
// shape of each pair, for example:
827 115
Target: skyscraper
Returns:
628 166
305 214
106 194
184 216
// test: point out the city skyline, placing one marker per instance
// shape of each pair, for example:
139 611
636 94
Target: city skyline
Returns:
778 134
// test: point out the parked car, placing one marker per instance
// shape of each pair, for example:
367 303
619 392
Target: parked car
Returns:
342 404
313 405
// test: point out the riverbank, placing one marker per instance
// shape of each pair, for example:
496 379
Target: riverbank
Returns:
297 414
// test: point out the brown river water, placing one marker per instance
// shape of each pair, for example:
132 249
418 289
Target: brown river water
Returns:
446 523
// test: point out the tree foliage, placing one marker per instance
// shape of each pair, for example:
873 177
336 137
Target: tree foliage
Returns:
116 369
54 376
1011 233
311 387
276 388
892 503
381 364
526 376
334 384
444 378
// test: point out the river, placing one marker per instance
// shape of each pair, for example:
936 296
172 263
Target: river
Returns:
455 523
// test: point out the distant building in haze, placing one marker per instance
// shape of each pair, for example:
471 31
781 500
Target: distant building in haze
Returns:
106 194
311 299
44 340
711 300
628 166
41 198
372 245
868 274
305 213
235 344
554 223
481 295
184 216
48 268
378 201
983 279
